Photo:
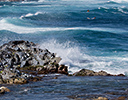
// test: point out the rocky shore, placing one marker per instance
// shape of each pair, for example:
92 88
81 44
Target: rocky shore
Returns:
23 61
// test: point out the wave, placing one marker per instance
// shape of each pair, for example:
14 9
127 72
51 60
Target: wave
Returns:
73 57
118 1
5 25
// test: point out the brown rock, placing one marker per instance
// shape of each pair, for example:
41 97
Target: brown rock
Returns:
20 81
101 98
55 78
121 98
35 79
85 72
63 69
102 73
120 75
3 90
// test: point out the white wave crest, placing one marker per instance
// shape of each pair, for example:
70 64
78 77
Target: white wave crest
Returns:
121 10
118 1
30 14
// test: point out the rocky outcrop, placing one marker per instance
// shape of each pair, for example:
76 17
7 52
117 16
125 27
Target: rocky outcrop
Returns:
86 72
19 60
24 53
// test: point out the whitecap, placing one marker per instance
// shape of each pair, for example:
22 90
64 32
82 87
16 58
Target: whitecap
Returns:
118 1
30 14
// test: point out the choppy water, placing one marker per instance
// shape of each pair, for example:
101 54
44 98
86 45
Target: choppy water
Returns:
62 27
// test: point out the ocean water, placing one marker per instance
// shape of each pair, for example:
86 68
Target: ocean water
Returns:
63 27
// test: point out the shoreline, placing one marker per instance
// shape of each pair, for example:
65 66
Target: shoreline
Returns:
22 62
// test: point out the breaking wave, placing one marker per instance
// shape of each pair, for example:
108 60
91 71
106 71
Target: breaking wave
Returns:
73 57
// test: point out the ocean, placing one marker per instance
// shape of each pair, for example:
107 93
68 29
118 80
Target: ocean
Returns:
95 40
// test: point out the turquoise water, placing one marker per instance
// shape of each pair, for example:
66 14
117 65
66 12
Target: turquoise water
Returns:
63 27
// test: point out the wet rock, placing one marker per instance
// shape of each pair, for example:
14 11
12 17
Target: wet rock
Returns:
120 75
63 69
3 90
86 72
20 81
101 73
121 98
55 78
15 81
1 80
35 79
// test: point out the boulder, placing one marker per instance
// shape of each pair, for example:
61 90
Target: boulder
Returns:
3 90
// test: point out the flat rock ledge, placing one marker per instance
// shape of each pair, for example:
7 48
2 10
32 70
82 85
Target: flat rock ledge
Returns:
22 61
86 72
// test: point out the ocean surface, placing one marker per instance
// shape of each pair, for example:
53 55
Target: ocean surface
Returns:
66 28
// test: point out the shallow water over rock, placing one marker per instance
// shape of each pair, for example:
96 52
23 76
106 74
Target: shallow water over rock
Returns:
69 87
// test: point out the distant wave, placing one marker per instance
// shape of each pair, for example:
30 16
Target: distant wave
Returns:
122 9
4 25
118 1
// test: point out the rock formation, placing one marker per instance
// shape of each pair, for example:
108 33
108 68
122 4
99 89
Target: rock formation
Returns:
19 60
86 72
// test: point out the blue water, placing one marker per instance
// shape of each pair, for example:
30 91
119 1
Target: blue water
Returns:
62 27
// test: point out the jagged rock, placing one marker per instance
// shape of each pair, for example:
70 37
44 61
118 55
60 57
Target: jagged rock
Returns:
63 69
24 53
8 73
3 90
